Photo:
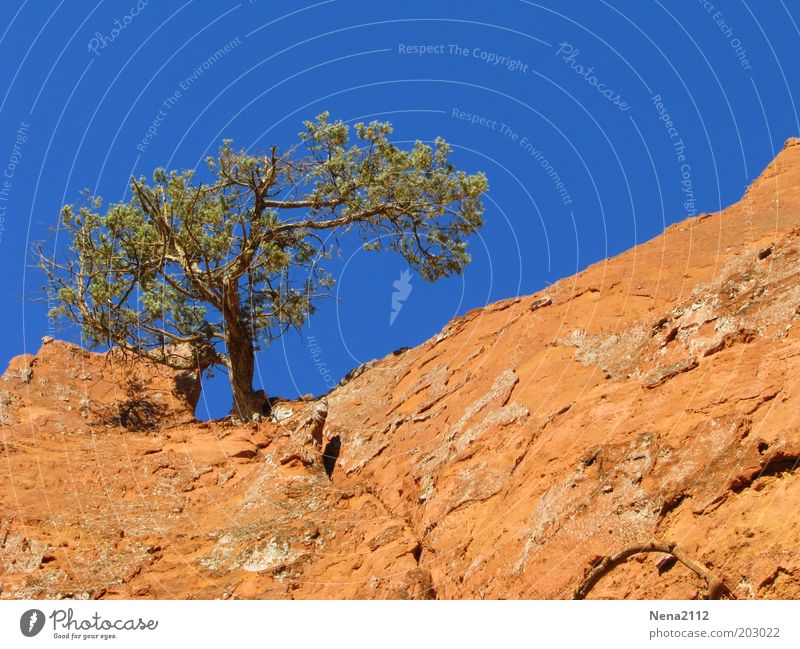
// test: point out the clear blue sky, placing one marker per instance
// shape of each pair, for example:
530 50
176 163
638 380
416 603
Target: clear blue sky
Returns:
86 101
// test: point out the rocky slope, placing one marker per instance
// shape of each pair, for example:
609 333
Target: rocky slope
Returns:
651 398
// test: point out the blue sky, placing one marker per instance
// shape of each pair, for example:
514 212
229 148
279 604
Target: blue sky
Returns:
597 123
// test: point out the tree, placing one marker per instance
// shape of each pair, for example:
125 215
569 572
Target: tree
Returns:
222 267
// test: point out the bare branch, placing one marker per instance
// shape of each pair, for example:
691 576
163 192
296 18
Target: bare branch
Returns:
716 587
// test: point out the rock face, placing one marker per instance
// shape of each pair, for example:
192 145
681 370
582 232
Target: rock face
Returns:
64 388
652 398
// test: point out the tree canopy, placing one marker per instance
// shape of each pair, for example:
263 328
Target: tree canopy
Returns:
223 266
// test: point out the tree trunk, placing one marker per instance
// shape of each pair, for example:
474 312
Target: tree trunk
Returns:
241 366
246 401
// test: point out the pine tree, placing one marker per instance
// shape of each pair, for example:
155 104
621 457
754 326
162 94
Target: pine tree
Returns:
223 267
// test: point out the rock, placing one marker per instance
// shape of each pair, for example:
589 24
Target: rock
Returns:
239 447
281 413
663 374
355 372
502 458
224 476
541 302
148 395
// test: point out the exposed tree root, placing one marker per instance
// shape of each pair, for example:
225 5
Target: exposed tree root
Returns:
716 587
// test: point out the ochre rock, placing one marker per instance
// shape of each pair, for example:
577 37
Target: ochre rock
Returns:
64 386
651 397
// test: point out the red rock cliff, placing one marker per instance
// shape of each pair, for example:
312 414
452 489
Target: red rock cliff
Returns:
651 398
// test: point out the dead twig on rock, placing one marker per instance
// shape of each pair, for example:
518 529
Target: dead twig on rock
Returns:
716 587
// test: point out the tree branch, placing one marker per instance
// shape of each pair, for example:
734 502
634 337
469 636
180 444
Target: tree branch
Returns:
716 587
